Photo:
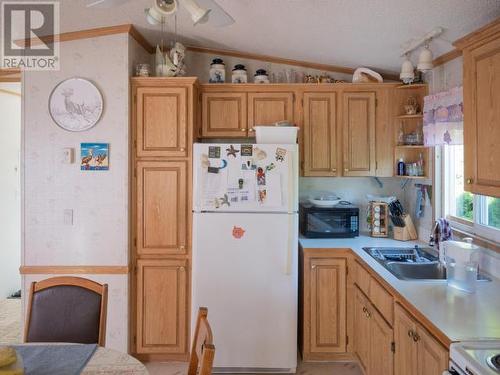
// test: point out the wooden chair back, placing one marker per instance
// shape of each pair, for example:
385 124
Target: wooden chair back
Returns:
203 349
67 309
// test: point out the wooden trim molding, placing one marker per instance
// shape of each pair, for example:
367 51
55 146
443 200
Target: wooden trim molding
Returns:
10 75
280 60
9 92
448 56
92 33
74 270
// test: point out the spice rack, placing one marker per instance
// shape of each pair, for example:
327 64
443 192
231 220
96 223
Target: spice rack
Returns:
408 130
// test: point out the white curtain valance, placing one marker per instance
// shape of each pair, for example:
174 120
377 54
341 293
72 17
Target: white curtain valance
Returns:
443 118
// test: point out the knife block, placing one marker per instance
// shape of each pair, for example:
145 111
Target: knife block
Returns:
406 233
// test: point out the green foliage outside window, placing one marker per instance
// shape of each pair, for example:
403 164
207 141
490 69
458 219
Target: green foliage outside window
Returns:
465 204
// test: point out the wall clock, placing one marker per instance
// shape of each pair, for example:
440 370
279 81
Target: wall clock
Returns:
76 104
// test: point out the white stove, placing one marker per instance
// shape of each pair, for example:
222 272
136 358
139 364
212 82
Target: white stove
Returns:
475 358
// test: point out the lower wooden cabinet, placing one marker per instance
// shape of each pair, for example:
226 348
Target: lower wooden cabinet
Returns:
324 306
373 338
417 352
162 306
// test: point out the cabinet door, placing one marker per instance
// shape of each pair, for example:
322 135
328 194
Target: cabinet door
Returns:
266 108
361 329
405 358
384 134
320 134
482 118
381 337
162 287
432 356
162 207
327 305
162 115
358 118
224 115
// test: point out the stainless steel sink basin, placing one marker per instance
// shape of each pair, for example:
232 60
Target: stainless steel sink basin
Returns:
415 263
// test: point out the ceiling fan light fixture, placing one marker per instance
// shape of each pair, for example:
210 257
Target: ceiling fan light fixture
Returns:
198 14
160 9
425 59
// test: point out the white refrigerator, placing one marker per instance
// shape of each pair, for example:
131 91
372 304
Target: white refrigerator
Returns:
245 250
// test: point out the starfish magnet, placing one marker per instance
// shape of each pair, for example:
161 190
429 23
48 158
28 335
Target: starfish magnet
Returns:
232 151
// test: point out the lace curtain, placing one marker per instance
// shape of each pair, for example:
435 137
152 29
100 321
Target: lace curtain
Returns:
443 118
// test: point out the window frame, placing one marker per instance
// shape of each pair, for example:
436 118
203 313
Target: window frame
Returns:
479 212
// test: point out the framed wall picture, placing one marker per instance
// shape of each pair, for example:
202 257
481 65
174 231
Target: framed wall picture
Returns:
76 104
94 156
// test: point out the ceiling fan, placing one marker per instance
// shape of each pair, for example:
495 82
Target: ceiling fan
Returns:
201 11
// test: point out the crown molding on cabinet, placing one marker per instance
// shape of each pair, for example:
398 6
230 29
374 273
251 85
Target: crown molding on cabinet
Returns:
482 34
448 56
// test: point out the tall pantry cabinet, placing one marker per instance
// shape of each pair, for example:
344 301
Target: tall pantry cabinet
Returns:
163 125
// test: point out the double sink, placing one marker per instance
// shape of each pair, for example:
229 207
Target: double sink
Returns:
415 263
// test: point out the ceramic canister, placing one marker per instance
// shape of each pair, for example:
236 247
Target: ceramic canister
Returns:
217 71
261 76
239 74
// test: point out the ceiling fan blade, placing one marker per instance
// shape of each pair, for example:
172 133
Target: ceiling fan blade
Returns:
218 16
105 3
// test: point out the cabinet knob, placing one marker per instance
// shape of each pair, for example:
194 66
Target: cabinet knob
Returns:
346 169
182 149
334 170
251 130
469 181
182 247
416 337
243 130
182 269
313 266
411 333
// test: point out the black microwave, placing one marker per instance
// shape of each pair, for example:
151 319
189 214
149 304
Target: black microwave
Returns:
340 221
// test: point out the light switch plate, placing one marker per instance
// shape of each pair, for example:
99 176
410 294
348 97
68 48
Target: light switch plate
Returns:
68 216
68 155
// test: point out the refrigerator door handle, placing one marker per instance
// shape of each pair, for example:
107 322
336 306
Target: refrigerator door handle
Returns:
289 245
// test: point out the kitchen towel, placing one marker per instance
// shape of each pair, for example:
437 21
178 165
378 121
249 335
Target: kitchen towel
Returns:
55 359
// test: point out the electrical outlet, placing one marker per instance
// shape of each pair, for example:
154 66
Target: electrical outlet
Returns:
68 155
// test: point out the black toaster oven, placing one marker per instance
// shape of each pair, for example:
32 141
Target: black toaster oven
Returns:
340 221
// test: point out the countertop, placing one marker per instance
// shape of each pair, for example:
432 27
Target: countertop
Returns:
458 315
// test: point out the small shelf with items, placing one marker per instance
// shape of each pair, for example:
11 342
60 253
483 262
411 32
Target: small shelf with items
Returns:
409 137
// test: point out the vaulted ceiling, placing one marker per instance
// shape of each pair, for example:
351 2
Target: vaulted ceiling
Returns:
340 32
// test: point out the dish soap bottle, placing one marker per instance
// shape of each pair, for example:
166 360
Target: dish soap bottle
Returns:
401 168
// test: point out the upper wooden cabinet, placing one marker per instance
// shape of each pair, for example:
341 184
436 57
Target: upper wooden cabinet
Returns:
324 306
162 306
162 121
266 108
481 59
162 207
358 127
320 134
224 114
417 352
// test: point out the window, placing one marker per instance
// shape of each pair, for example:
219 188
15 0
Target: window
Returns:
476 214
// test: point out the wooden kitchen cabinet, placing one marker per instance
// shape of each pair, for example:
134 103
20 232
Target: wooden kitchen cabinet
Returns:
321 151
162 306
373 338
266 108
162 210
323 290
417 352
224 114
161 121
481 90
358 127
